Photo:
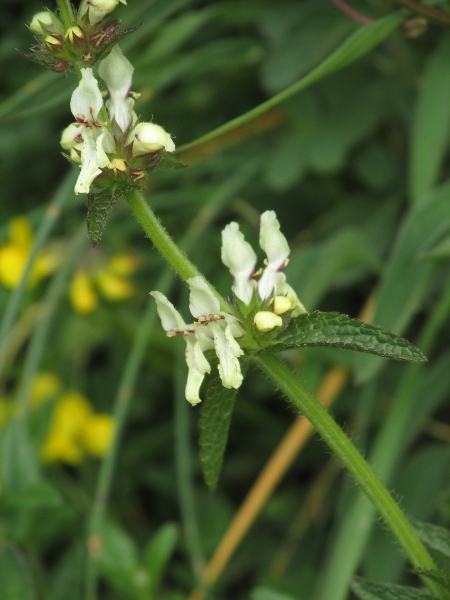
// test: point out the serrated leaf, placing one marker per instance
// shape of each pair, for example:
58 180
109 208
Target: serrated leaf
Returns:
340 331
433 536
369 590
442 577
215 420
15 579
99 205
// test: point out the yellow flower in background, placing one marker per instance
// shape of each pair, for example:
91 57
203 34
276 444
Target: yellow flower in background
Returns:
45 386
14 255
76 430
110 281
97 434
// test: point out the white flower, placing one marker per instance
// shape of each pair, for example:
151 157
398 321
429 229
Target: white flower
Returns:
98 9
93 159
86 101
173 323
274 244
221 326
71 136
148 137
85 104
117 71
240 258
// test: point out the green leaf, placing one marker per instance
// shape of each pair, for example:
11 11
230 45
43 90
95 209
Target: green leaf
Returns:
433 536
215 420
339 331
69 578
15 579
19 466
368 590
118 556
406 279
159 551
98 205
442 577
38 495
432 123
169 161
266 594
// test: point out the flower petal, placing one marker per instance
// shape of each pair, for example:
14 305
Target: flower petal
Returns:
170 317
117 71
198 367
202 301
227 350
272 241
240 258
86 99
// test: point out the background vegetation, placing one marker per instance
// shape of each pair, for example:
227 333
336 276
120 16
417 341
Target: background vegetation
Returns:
356 167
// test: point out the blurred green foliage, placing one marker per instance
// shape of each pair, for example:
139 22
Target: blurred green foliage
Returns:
356 167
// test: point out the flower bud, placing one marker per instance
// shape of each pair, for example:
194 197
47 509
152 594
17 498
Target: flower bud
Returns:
118 165
75 153
266 321
97 9
75 35
53 43
71 136
148 137
44 23
283 304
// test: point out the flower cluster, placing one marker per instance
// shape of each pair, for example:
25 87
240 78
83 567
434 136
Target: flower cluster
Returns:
108 143
259 308
82 44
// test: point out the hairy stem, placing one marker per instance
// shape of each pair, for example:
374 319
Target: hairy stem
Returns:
350 457
66 13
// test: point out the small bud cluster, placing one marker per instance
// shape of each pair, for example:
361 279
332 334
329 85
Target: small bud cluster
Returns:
86 41
112 148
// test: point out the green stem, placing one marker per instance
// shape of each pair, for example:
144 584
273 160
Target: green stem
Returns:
441 17
66 13
176 258
350 457
130 373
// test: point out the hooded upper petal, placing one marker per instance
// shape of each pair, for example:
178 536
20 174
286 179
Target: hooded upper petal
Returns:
170 317
117 71
274 244
202 301
86 99
240 258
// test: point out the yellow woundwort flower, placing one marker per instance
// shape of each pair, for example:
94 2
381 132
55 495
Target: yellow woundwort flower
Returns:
111 281
14 255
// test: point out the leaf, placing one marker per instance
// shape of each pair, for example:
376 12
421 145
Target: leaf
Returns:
98 205
169 161
433 536
69 578
442 577
369 590
339 331
159 551
118 555
15 579
38 495
406 279
432 123
19 467
266 594
215 420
